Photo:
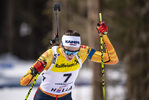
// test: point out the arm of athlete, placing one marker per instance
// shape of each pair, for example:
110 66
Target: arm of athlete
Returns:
41 64
110 56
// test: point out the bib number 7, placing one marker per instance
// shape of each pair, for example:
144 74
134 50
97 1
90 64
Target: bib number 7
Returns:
67 77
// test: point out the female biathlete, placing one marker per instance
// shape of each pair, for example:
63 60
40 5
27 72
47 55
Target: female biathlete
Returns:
60 65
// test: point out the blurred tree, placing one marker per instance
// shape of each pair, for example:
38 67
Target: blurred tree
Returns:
37 15
128 25
93 41
138 56
7 28
24 25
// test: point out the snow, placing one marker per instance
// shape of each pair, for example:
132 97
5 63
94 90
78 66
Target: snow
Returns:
116 93
12 69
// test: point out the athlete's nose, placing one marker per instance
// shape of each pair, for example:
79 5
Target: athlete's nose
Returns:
71 55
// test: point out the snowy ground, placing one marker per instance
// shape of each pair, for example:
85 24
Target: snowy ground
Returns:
12 69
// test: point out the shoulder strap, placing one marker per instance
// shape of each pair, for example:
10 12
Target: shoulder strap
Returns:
79 60
55 55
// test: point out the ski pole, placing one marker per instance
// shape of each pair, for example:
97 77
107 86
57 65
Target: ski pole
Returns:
55 8
31 86
102 62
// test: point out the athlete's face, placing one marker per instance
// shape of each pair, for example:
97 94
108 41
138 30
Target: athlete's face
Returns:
70 52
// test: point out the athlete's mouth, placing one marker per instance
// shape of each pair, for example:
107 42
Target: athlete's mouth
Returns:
69 58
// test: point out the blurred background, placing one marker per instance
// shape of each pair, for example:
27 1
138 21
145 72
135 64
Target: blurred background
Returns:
26 27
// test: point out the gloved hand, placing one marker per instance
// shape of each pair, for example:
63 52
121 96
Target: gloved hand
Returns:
38 67
102 27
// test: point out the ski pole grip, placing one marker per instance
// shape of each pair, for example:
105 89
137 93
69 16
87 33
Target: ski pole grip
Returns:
100 18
